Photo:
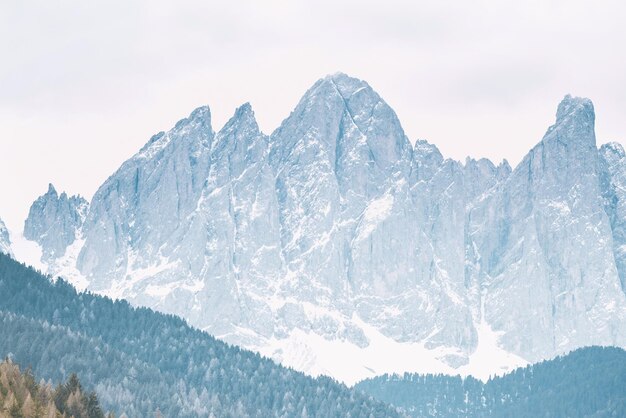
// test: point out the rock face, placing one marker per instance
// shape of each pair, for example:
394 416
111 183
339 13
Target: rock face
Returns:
5 242
542 245
336 233
613 186
54 221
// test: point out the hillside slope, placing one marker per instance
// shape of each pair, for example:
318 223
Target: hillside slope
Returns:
589 382
139 361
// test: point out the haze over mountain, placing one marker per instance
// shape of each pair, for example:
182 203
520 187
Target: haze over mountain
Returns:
336 246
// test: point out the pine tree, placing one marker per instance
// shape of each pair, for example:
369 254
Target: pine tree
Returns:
28 407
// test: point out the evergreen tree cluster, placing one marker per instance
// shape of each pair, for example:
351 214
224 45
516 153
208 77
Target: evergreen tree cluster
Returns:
140 362
588 382
22 397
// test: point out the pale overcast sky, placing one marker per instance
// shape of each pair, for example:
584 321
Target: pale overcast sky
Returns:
84 84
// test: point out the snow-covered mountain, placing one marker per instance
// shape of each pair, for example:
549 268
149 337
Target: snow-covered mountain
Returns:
540 246
54 222
613 186
5 242
336 246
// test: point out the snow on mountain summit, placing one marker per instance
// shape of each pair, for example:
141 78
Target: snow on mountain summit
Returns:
570 106
54 221
336 235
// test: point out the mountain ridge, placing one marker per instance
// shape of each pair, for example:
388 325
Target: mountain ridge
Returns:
335 231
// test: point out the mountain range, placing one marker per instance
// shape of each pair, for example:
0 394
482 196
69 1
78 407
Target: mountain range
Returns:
337 246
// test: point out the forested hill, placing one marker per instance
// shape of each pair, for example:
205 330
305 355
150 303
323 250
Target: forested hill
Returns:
21 396
139 361
589 382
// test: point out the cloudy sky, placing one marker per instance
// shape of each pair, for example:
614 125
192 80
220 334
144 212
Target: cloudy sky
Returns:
83 85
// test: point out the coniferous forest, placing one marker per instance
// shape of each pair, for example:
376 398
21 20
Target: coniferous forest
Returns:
589 382
141 363
21 396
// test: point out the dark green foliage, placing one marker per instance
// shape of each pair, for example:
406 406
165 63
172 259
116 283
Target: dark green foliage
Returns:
93 406
139 361
589 382
71 400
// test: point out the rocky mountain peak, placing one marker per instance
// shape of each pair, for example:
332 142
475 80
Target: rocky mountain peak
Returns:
200 117
612 151
575 123
196 128
238 144
575 107
51 190
54 220
242 120
348 86
343 116
5 242
335 232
